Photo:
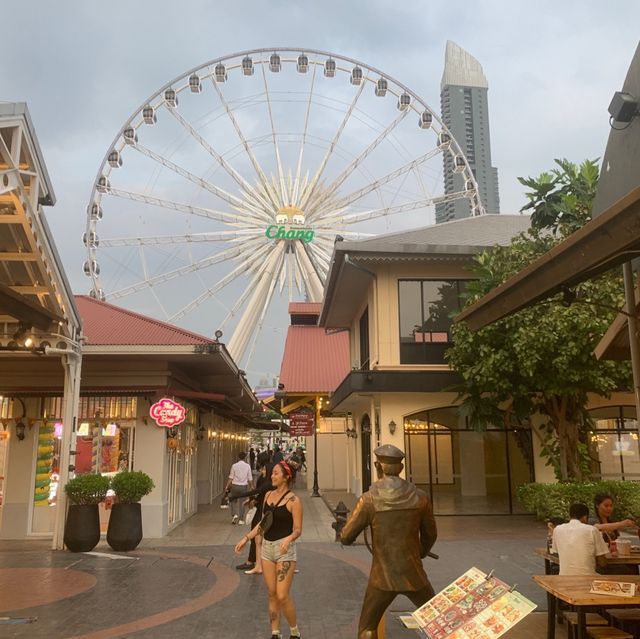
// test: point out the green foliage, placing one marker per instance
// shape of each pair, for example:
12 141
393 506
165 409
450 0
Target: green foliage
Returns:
561 200
540 360
87 489
131 486
553 500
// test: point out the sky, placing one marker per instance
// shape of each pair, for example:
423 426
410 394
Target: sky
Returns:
84 66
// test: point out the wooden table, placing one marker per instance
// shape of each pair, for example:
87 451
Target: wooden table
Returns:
549 558
574 590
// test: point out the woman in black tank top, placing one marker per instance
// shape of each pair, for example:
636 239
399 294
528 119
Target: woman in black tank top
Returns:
278 548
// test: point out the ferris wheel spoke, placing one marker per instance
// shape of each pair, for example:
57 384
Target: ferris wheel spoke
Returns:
201 182
321 256
242 183
243 267
212 214
274 278
150 240
314 181
389 177
283 190
234 251
309 274
252 158
238 304
353 218
238 343
303 141
339 181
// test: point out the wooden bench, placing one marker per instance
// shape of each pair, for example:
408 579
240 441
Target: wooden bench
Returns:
607 632
625 618
591 619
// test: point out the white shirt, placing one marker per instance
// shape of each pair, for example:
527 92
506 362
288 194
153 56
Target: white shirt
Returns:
578 545
240 473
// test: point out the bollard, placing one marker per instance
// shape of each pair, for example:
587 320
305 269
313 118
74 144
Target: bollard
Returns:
341 514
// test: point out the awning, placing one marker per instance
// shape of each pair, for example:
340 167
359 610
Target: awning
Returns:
189 394
606 241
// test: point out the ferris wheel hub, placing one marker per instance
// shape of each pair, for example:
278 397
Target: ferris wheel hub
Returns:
290 214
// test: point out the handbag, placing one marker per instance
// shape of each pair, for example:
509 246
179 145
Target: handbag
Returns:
267 519
224 502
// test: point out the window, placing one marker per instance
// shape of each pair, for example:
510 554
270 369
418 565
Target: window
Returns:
614 443
364 340
426 308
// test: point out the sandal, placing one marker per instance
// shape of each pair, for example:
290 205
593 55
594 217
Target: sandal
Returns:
253 571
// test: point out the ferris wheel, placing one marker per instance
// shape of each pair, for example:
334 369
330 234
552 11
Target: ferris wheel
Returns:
227 186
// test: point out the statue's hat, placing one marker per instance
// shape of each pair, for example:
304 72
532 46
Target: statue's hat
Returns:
389 454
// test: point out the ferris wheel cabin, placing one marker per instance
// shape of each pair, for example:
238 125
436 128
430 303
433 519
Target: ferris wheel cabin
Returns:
221 71
195 85
381 88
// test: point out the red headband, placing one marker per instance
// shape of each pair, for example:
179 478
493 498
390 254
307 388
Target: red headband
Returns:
286 468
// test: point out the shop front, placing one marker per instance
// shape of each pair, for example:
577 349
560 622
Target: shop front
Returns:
119 426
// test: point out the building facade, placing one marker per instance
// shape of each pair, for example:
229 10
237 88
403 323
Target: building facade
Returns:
465 111
396 296
130 363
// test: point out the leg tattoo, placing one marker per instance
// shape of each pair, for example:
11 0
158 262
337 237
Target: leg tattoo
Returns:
282 572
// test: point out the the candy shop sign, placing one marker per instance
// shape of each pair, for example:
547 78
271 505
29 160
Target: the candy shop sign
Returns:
165 412
275 232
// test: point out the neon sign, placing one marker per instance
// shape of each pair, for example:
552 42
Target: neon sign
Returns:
275 232
166 412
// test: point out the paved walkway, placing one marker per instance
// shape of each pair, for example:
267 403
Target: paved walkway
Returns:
186 585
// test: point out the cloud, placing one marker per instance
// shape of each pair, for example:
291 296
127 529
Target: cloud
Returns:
85 67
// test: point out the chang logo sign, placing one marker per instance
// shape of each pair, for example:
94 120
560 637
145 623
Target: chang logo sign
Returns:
275 232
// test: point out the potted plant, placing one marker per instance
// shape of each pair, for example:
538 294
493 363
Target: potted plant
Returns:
125 523
82 527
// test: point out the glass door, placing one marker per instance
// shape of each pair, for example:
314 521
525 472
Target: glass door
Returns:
4 447
365 443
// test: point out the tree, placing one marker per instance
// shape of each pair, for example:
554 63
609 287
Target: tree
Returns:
540 360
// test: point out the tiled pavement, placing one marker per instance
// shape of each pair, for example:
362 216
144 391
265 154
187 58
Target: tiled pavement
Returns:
186 586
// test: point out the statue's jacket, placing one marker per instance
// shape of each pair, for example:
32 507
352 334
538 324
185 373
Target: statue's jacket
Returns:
403 531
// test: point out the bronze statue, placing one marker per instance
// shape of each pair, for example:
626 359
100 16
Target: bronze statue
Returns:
403 532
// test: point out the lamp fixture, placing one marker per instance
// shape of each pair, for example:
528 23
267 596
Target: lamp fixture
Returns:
20 430
351 432
392 427
22 337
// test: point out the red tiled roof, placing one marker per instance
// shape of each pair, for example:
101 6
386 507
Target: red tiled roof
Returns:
314 361
304 308
108 325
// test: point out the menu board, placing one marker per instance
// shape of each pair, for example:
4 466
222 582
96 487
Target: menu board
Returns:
474 606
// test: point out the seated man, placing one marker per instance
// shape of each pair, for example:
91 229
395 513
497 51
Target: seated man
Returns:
579 546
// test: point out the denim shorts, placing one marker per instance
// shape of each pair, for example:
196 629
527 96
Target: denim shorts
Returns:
271 551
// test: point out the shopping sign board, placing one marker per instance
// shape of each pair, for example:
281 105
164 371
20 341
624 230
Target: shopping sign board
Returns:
301 424
166 412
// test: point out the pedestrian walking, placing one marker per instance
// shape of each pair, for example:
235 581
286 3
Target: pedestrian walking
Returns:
281 525
277 455
403 531
240 480
253 565
252 458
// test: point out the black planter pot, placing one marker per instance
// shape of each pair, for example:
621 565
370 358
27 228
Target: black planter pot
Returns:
82 528
125 527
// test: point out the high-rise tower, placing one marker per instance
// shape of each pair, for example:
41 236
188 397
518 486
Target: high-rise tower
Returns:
465 111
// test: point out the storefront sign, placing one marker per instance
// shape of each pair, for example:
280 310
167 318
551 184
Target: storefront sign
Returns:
168 413
275 232
301 424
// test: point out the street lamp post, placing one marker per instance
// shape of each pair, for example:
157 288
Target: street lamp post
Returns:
281 394
316 488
